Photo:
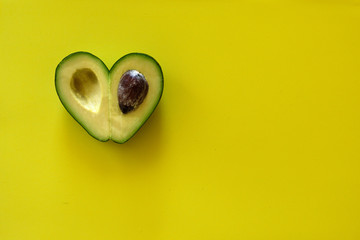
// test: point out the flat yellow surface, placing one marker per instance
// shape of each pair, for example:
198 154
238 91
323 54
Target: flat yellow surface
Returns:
257 135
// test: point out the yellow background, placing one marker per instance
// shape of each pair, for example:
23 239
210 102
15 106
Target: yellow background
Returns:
256 137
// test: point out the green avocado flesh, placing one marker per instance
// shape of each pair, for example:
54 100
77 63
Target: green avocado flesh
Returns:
109 104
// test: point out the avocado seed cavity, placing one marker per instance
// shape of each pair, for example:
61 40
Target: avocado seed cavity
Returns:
86 89
132 90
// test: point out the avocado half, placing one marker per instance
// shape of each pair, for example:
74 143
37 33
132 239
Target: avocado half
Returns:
109 104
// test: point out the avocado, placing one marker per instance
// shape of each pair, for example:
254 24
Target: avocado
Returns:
109 104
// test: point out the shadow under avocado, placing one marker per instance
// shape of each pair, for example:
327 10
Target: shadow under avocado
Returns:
143 148
147 141
127 166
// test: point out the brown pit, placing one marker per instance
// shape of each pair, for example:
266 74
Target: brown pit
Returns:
132 90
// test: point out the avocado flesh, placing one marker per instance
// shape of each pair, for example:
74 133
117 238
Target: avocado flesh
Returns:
125 125
88 91
81 82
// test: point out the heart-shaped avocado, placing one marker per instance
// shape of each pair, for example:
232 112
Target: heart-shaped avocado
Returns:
109 104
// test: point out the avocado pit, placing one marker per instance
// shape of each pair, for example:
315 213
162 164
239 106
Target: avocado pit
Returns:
132 90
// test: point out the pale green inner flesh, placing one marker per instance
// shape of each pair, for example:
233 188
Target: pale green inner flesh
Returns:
86 89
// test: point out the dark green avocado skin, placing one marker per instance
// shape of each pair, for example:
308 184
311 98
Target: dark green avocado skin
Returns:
109 71
162 88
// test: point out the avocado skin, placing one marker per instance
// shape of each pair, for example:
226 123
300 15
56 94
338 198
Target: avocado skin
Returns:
67 109
109 71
